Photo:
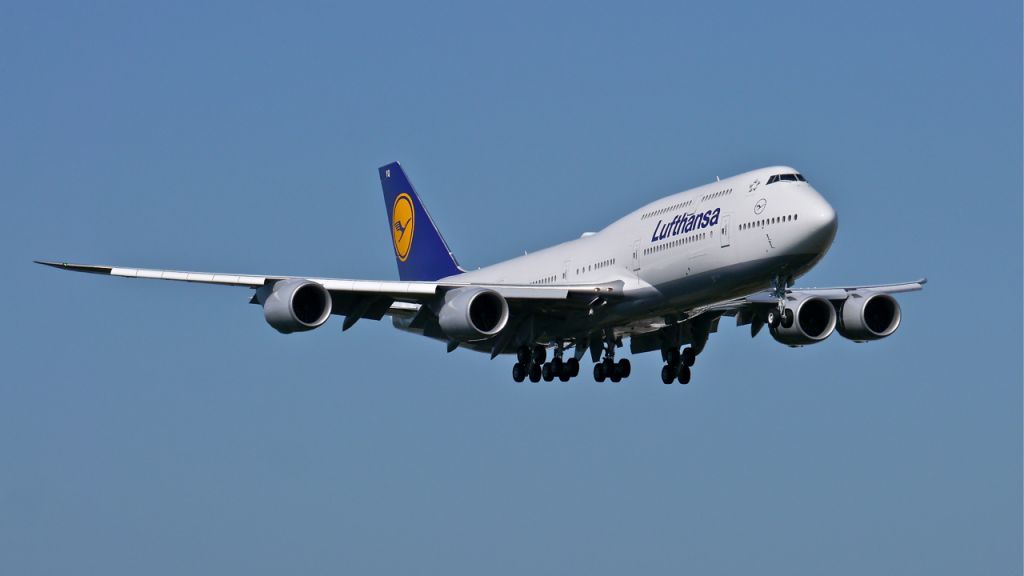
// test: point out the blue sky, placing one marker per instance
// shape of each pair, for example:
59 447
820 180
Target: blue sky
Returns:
165 429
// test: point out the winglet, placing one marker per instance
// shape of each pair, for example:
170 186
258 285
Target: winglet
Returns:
88 268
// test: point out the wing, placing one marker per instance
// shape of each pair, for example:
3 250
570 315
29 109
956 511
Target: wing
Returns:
835 294
749 309
647 336
373 299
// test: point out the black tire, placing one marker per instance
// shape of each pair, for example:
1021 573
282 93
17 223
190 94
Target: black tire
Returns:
599 373
535 373
668 374
523 355
689 357
612 370
518 372
772 319
540 354
561 370
684 375
574 367
625 368
548 372
787 319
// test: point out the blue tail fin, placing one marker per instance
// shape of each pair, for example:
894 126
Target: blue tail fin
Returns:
420 251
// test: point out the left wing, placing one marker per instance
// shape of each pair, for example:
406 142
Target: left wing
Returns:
730 307
750 309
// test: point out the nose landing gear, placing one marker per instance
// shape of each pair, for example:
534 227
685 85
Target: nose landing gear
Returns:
781 315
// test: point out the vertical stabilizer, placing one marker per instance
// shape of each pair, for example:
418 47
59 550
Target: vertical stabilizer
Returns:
420 250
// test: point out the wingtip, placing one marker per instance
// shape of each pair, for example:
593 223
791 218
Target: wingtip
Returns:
89 268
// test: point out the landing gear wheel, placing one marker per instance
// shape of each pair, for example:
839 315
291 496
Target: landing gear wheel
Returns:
574 367
787 318
684 374
518 372
558 365
625 368
523 355
612 370
599 374
540 354
689 357
564 374
673 356
773 318
535 373
548 372
668 374
560 370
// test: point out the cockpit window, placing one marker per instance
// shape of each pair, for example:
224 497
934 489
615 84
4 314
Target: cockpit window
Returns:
786 178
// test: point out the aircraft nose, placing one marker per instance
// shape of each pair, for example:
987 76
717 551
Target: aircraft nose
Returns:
822 221
827 220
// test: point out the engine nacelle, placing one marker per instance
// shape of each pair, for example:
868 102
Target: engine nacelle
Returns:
295 305
472 314
814 319
868 316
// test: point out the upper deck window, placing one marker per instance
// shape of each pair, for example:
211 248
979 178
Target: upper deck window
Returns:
786 178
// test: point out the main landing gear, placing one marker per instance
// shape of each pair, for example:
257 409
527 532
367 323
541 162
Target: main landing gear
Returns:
532 364
609 368
677 366
612 370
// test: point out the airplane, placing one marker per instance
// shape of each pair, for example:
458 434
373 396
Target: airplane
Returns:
662 276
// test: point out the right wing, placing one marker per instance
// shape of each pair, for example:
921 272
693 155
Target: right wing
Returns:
373 299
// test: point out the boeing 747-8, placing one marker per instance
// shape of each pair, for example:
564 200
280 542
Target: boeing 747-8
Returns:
662 276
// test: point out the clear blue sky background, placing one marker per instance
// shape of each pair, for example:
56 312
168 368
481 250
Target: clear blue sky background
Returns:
165 429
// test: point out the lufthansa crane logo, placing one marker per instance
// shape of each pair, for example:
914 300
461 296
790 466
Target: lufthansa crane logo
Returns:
403 225
759 207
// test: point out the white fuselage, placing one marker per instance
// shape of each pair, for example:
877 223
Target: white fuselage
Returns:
725 239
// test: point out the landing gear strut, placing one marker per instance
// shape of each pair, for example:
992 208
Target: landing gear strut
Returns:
781 315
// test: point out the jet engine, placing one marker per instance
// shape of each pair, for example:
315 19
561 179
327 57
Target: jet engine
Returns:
472 314
814 319
868 316
295 305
